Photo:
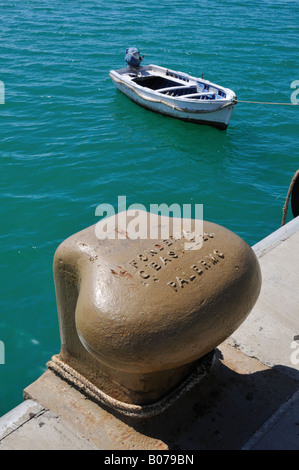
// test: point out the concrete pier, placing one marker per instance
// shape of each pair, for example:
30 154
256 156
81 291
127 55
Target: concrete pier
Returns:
249 400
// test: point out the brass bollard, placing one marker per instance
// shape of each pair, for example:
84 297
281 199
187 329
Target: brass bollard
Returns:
141 318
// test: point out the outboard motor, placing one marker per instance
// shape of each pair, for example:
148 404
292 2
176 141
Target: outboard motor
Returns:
133 57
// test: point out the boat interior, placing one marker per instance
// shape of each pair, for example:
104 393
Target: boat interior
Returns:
168 86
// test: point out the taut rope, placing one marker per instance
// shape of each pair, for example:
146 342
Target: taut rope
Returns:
266 102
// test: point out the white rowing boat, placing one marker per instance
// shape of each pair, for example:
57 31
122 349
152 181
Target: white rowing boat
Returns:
174 94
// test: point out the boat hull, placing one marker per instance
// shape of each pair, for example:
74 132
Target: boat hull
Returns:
209 113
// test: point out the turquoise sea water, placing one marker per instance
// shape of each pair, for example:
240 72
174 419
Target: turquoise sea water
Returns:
70 141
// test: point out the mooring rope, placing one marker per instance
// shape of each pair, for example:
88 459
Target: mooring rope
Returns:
266 102
286 204
138 411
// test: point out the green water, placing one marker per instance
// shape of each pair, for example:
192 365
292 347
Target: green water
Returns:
70 141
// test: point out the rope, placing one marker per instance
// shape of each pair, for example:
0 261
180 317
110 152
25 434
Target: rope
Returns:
266 102
137 411
286 204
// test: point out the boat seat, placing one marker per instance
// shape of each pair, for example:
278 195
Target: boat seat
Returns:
199 95
172 88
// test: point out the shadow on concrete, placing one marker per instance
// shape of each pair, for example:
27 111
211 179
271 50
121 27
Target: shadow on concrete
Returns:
223 411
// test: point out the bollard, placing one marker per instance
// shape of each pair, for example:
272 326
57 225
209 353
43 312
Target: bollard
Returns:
140 318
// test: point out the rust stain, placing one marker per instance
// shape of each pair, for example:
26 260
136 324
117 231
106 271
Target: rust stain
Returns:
121 273
122 232
160 247
124 273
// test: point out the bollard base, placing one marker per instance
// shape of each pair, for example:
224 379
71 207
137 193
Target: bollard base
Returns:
66 372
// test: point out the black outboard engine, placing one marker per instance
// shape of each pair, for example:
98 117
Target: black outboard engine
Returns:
132 57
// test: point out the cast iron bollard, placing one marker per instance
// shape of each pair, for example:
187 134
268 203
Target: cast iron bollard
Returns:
140 319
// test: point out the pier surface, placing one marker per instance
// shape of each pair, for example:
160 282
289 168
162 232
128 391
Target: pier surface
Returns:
250 399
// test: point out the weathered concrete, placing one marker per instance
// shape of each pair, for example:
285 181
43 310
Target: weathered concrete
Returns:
271 332
280 431
222 412
250 399
268 332
32 427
